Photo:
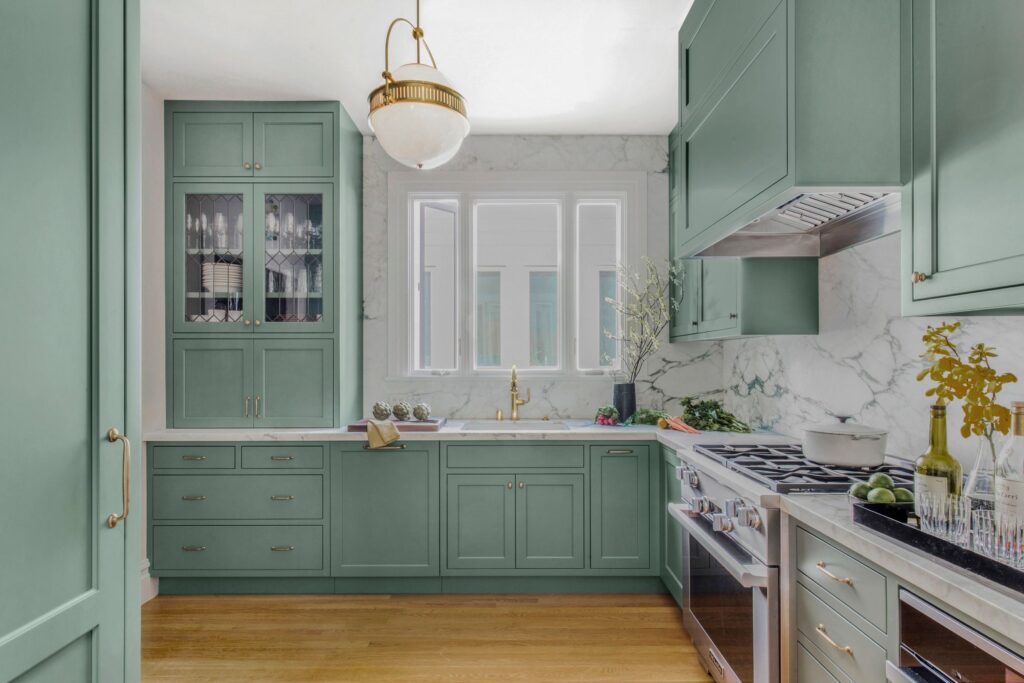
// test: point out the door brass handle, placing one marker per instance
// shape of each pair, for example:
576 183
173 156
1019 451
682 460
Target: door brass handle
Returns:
193 548
522 485
247 165
126 475
257 323
820 628
257 406
918 277
282 458
841 579
620 451
510 486
282 548
246 407
193 458
247 322
194 499
257 166
282 498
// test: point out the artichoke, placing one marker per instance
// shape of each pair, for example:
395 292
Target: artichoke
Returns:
421 411
401 411
381 410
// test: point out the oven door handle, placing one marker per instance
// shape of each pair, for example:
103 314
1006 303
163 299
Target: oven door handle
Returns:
748 575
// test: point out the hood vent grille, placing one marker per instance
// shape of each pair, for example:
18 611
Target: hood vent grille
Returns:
811 211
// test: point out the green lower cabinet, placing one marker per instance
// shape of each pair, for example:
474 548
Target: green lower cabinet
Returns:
385 511
671 531
294 382
212 383
620 507
549 521
481 531
269 550
237 496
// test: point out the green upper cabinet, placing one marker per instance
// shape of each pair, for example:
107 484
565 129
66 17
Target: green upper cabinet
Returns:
293 144
215 144
763 119
620 507
212 383
963 246
293 382
385 516
549 521
727 297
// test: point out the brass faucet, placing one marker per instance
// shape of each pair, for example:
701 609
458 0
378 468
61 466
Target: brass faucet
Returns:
516 401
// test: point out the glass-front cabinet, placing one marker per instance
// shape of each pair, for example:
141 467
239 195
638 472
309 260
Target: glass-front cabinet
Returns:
252 258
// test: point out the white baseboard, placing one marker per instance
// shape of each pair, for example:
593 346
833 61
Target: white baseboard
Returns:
150 584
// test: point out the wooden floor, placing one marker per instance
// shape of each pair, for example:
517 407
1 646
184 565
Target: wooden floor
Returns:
410 639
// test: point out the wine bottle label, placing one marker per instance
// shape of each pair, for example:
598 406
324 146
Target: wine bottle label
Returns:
1009 498
935 487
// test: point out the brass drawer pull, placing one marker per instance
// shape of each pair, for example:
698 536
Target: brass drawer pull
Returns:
193 548
620 451
282 498
820 628
193 458
114 436
282 548
399 447
841 579
282 458
193 498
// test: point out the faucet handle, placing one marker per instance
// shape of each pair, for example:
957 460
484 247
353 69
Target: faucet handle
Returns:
529 395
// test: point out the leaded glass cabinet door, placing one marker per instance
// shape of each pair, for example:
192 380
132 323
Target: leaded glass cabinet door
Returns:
212 238
294 240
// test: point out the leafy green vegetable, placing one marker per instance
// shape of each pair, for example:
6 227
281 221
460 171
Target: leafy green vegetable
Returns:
709 416
646 416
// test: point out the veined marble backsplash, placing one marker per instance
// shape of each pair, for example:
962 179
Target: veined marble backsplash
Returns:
864 361
678 370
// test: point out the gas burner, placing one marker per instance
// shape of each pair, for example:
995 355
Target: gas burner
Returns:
784 469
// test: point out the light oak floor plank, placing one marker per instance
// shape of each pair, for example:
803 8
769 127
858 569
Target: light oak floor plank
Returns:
417 639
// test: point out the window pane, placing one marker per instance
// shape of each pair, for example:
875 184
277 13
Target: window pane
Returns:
488 320
598 253
543 319
517 246
434 261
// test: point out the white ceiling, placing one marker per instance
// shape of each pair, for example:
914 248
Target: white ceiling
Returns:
524 66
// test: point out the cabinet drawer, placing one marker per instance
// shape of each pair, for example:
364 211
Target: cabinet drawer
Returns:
238 497
830 632
283 457
193 457
515 456
855 584
810 670
238 547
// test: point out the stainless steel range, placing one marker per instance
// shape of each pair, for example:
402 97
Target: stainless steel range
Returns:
731 550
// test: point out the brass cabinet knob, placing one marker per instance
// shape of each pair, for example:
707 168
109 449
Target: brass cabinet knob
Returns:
258 167
248 322
257 323
918 277
247 166
522 485
509 485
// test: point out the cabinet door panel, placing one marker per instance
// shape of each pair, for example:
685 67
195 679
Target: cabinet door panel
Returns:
686 319
672 532
549 521
719 291
294 380
212 144
481 521
620 510
212 383
294 145
385 514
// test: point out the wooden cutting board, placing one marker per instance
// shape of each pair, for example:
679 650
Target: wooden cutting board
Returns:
434 424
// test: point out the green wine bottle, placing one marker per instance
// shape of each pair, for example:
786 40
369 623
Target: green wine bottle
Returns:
937 472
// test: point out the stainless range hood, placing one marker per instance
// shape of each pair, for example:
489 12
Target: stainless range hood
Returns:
815 224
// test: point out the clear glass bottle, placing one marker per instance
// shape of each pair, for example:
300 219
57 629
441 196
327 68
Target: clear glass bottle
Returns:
937 472
1009 498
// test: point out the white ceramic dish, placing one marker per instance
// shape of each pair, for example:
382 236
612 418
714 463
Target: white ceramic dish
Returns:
845 444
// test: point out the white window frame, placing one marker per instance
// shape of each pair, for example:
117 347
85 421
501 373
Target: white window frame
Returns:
404 188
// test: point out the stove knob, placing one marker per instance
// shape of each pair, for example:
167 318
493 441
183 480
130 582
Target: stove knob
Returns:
748 517
703 505
733 506
683 473
693 479
722 523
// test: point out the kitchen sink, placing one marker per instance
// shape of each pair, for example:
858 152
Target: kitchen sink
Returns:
520 426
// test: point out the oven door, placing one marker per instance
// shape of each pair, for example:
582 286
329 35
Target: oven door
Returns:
731 604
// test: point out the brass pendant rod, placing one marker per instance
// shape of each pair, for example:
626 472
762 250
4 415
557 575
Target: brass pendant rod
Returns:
419 31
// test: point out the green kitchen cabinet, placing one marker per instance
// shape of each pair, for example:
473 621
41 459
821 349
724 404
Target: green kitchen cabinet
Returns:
671 531
620 507
293 382
293 144
761 121
212 383
549 521
481 531
963 249
728 297
217 144
385 514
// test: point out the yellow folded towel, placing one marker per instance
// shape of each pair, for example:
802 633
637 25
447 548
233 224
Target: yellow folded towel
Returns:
380 433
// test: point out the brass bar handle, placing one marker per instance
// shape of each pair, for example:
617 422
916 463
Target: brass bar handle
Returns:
282 458
126 475
193 458
282 498
246 407
820 628
257 406
193 498
841 579
399 447
193 548
282 548
620 451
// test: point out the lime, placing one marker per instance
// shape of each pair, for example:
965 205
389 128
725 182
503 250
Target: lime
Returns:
881 496
880 480
903 495
859 490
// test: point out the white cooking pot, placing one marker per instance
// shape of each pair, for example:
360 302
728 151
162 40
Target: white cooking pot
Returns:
845 443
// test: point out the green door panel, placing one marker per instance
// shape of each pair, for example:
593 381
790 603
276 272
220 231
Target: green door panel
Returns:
238 496
686 319
278 549
294 144
967 146
294 382
212 383
671 531
620 507
549 521
198 457
287 457
73 662
481 531
740 147
385 514
719 295
212 144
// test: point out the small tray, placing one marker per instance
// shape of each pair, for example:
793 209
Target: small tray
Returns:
434 424
896 520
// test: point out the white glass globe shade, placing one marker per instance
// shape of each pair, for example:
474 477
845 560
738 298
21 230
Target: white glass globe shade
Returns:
419 134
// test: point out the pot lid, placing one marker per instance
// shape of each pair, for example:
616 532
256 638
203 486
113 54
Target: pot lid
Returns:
845 428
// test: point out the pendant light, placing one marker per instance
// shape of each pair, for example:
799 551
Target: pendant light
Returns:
419 119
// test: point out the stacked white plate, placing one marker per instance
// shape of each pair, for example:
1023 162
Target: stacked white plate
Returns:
222 277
